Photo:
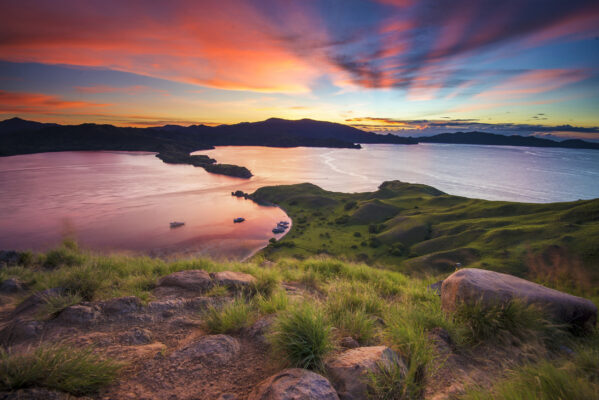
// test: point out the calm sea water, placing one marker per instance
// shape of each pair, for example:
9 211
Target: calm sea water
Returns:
125 201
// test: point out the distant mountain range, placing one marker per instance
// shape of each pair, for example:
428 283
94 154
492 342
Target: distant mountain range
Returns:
491 139
174 142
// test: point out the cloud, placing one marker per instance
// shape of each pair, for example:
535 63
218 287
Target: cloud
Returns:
17 102
283 46
136 89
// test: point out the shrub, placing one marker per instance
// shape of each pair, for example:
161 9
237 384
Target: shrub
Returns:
67 254
76 371
231 317
302 336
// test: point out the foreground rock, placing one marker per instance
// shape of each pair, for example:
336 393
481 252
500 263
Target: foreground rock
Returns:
194 280
349 371
471 285
212 349
233 280
294 384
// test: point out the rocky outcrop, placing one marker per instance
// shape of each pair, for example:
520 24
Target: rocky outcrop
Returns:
471 285
212 349
349 370
294 384
234 280
193 280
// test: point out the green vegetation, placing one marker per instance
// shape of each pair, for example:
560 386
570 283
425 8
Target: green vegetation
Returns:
231 317
76 371
418 229
329 299
504 322
572 379
302 336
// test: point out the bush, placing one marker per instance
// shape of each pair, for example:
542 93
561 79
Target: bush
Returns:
302 336
76 371
231 317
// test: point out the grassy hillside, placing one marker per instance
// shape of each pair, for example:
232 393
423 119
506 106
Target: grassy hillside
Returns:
419 229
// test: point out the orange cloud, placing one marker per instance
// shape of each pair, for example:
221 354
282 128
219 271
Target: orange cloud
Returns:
12 102
227 45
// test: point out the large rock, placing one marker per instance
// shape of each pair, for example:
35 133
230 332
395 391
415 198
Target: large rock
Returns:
294 384
349 370
230 279
78 315
470 285
30 306
194 280
212 349
121 306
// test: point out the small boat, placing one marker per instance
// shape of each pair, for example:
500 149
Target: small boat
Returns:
237 220
177 224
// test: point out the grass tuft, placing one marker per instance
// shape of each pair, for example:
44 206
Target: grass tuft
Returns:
504 322
302 336
76 371
231 317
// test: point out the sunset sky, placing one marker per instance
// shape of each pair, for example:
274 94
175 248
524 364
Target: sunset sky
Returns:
410 66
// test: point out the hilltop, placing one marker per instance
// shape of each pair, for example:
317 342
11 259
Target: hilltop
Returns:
419 229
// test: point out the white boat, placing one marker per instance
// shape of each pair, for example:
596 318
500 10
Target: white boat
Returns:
177 224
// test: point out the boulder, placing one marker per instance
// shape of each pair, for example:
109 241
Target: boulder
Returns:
349 370
194 280
11 285
78 314
121 306
211 349
234 280
294 384
471 285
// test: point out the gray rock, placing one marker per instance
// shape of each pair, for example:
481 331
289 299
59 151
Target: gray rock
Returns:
78 314
212 349
349 370
121 306
471 285
294 384
11 285
193 280
233 280
349 342
259 329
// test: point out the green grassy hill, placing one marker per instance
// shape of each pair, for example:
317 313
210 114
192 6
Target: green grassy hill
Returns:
419 229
